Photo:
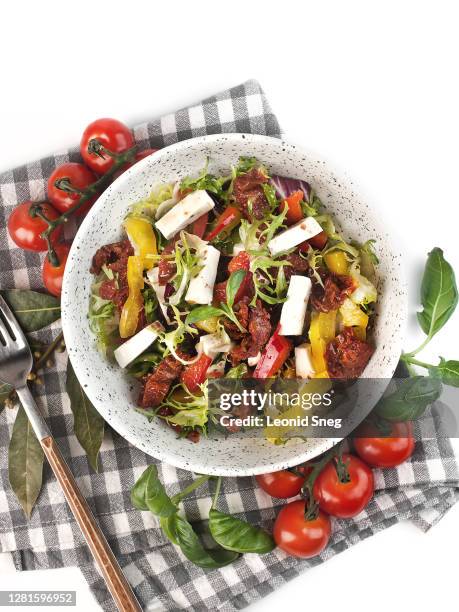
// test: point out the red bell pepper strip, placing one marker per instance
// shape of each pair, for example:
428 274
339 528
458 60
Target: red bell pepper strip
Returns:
227 221
196 373
198 227
319 241
273 356
293 205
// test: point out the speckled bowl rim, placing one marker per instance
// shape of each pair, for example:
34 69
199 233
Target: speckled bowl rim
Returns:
316 445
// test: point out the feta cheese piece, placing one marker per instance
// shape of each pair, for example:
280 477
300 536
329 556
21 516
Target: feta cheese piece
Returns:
135 346
153 277
252 361
201 287
238 248
294 309
303 361
213 344
294 235
185 212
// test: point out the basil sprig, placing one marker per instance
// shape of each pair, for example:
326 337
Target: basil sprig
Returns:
439 299
439 294
231 536
200 313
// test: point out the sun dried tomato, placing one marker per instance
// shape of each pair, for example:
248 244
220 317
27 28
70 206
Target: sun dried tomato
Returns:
346 356
335 290
249 195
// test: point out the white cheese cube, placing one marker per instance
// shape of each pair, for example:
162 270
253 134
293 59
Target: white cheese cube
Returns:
294 235
252 361
238 248
135 346
184 212
213 344
303 361
294 309
201 287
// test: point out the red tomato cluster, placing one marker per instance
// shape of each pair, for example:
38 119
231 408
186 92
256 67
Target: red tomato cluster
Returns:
342 489
25 230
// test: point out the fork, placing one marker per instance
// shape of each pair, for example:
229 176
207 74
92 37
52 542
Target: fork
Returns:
15 365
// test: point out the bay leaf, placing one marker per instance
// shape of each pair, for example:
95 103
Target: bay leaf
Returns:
88 424
5 390
32 309
25 462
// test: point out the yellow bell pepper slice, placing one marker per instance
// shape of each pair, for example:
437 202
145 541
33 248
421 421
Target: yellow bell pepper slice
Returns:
337 262
129 318
142 236
353 316
209 325
321 331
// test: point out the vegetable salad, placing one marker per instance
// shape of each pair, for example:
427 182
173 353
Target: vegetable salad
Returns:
243 275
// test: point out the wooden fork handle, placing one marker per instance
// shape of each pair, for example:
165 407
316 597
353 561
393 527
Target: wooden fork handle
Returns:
117 584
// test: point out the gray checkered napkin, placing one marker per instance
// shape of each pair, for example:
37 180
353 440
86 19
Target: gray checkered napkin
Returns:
421 490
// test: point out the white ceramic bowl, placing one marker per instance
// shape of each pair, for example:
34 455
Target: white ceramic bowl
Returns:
114 394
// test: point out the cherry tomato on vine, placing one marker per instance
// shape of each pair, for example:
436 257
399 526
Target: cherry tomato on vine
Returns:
283 484
300 537
344 492
113 135
25 230
388 451
79 177
53 275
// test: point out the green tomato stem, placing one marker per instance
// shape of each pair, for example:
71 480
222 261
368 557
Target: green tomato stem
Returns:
217 491
120 159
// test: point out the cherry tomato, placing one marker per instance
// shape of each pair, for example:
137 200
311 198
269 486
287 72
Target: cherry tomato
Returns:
113 135
389 451
79 177
282 484
25 230
300 537
344 499
53 275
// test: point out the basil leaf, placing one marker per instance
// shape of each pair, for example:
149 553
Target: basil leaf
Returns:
447 371
439 294
193 550
233 284
168 526
148 493
410 399
201 313
236 535
88 425
25 462
32 309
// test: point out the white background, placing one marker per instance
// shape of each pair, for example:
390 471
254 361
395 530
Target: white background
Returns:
371 86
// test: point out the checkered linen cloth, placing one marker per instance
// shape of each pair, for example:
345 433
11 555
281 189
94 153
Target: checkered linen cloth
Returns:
421 490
